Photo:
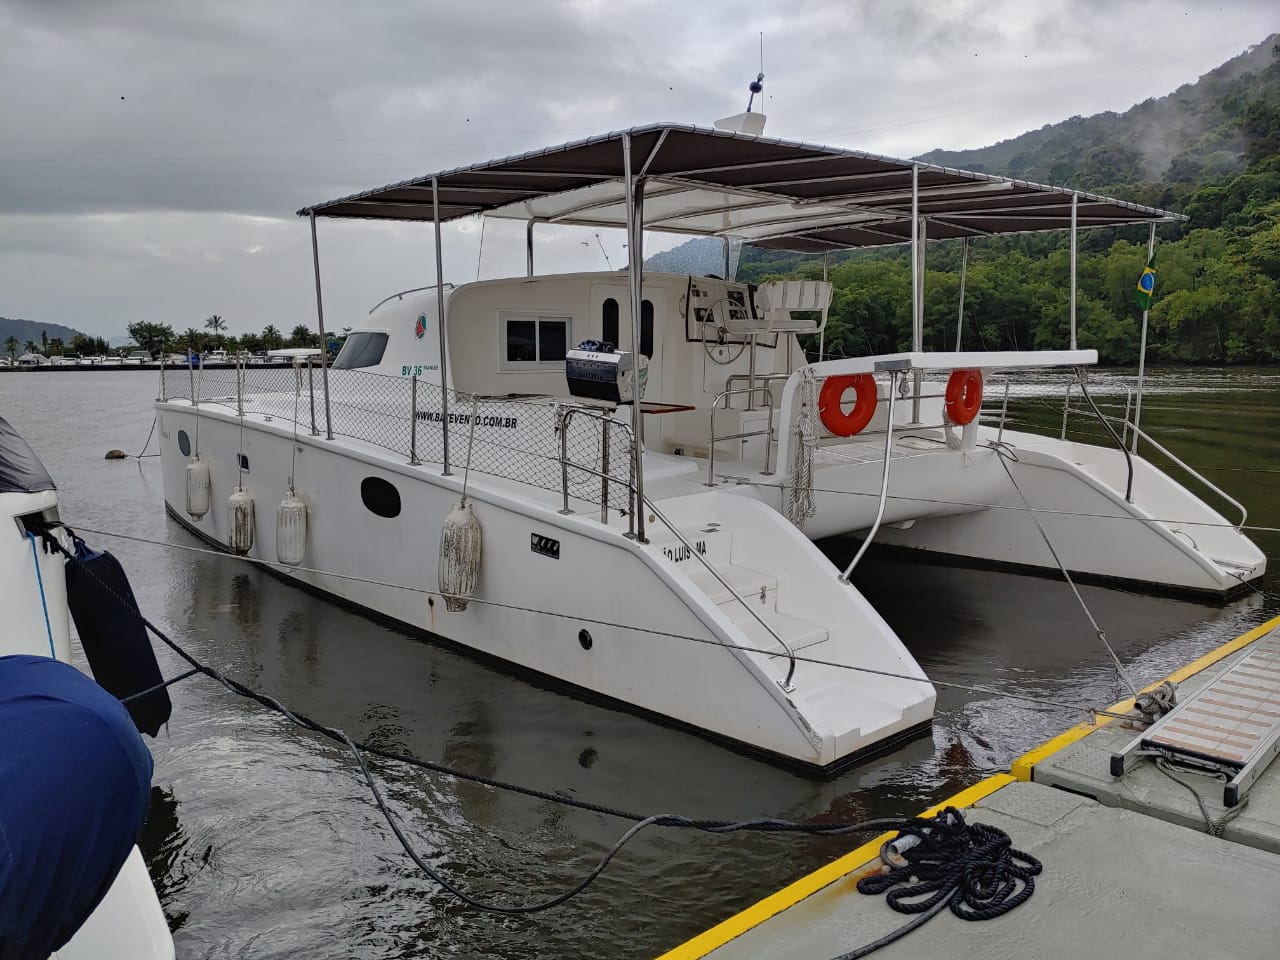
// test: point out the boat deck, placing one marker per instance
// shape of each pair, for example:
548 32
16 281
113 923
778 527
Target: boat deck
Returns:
1129 864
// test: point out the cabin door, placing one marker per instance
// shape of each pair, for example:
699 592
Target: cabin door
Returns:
611 321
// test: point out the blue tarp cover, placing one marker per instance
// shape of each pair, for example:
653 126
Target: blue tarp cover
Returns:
75 781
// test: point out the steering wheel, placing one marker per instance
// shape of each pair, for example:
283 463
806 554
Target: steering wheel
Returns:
716 350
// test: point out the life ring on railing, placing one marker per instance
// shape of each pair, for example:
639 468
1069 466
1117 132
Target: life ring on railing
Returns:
964 396
829 403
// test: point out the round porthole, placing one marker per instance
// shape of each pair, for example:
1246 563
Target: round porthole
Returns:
184 443
584 638
380 497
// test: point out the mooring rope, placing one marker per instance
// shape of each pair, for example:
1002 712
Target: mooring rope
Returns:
1004 457
1076 708
948 829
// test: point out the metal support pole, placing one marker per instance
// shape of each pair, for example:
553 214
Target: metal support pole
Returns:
1075 203
604 471
635 268
822 334
324 343
413 421
917 330
162 396
311 389
917 288
444 354
964 266
1142 350
528 248
563 417
725 242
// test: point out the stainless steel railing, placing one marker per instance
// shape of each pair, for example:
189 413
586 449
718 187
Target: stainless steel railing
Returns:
607 422
767 433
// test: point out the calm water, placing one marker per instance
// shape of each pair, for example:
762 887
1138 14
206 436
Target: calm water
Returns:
264 843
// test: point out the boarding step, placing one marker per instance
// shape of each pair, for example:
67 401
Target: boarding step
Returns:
1232 725
731 581
797 634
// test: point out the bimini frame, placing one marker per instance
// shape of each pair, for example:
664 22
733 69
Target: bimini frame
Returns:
702 182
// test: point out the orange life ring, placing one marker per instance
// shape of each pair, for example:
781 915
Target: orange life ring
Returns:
964 396
829 403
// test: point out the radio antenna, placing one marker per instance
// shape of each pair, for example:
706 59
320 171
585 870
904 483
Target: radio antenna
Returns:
757 85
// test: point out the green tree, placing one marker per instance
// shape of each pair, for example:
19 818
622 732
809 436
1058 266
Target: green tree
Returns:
216 324
11 347
192 339
30 347
82 345
44 342
272 339
301 336
56 347
155 338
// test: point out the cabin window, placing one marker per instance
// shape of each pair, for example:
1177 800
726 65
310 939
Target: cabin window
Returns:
609 326
534 340
380 497
361 350
184 443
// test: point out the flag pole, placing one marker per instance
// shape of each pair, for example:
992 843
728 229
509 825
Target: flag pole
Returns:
1142 350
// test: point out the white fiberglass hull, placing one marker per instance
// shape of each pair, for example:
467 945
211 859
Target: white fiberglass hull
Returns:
968 504
574 599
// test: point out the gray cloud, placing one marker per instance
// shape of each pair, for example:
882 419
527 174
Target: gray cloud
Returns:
149 146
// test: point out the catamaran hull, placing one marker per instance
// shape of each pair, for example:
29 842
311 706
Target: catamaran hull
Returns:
574 600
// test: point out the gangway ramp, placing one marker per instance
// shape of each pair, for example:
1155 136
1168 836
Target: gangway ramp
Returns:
1231 725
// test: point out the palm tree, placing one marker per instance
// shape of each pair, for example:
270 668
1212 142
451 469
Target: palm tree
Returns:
192 339
56 346
44 342
30 346
271 337
11 347
216 324
302 336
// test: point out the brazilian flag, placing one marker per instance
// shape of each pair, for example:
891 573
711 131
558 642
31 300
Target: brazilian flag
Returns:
1146 285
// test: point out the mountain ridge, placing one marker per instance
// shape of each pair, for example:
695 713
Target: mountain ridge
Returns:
29 330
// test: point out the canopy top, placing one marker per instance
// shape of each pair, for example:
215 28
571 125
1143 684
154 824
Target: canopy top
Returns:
772 193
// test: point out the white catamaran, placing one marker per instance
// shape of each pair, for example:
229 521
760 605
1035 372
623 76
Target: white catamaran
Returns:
481 463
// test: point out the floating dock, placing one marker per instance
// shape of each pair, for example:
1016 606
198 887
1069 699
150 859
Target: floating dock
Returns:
1133 865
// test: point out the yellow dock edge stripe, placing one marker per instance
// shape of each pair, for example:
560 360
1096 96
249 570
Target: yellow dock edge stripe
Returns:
1020 770
811 883
1023 766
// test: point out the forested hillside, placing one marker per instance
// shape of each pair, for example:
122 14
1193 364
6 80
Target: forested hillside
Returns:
1210 150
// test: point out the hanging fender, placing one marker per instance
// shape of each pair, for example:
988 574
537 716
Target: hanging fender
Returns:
829 399
963 396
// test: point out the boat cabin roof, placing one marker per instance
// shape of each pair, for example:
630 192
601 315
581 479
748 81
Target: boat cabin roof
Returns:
773 193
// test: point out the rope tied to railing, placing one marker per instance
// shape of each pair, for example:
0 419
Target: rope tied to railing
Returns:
801 504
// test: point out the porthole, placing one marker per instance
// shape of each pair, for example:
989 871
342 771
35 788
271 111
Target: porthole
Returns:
380 497
184 443
584 638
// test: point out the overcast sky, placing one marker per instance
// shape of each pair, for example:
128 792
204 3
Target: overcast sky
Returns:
153 152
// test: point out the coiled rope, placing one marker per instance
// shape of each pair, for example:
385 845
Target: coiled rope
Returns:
799 492
970 867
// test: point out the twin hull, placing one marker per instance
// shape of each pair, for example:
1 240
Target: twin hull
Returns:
574 599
